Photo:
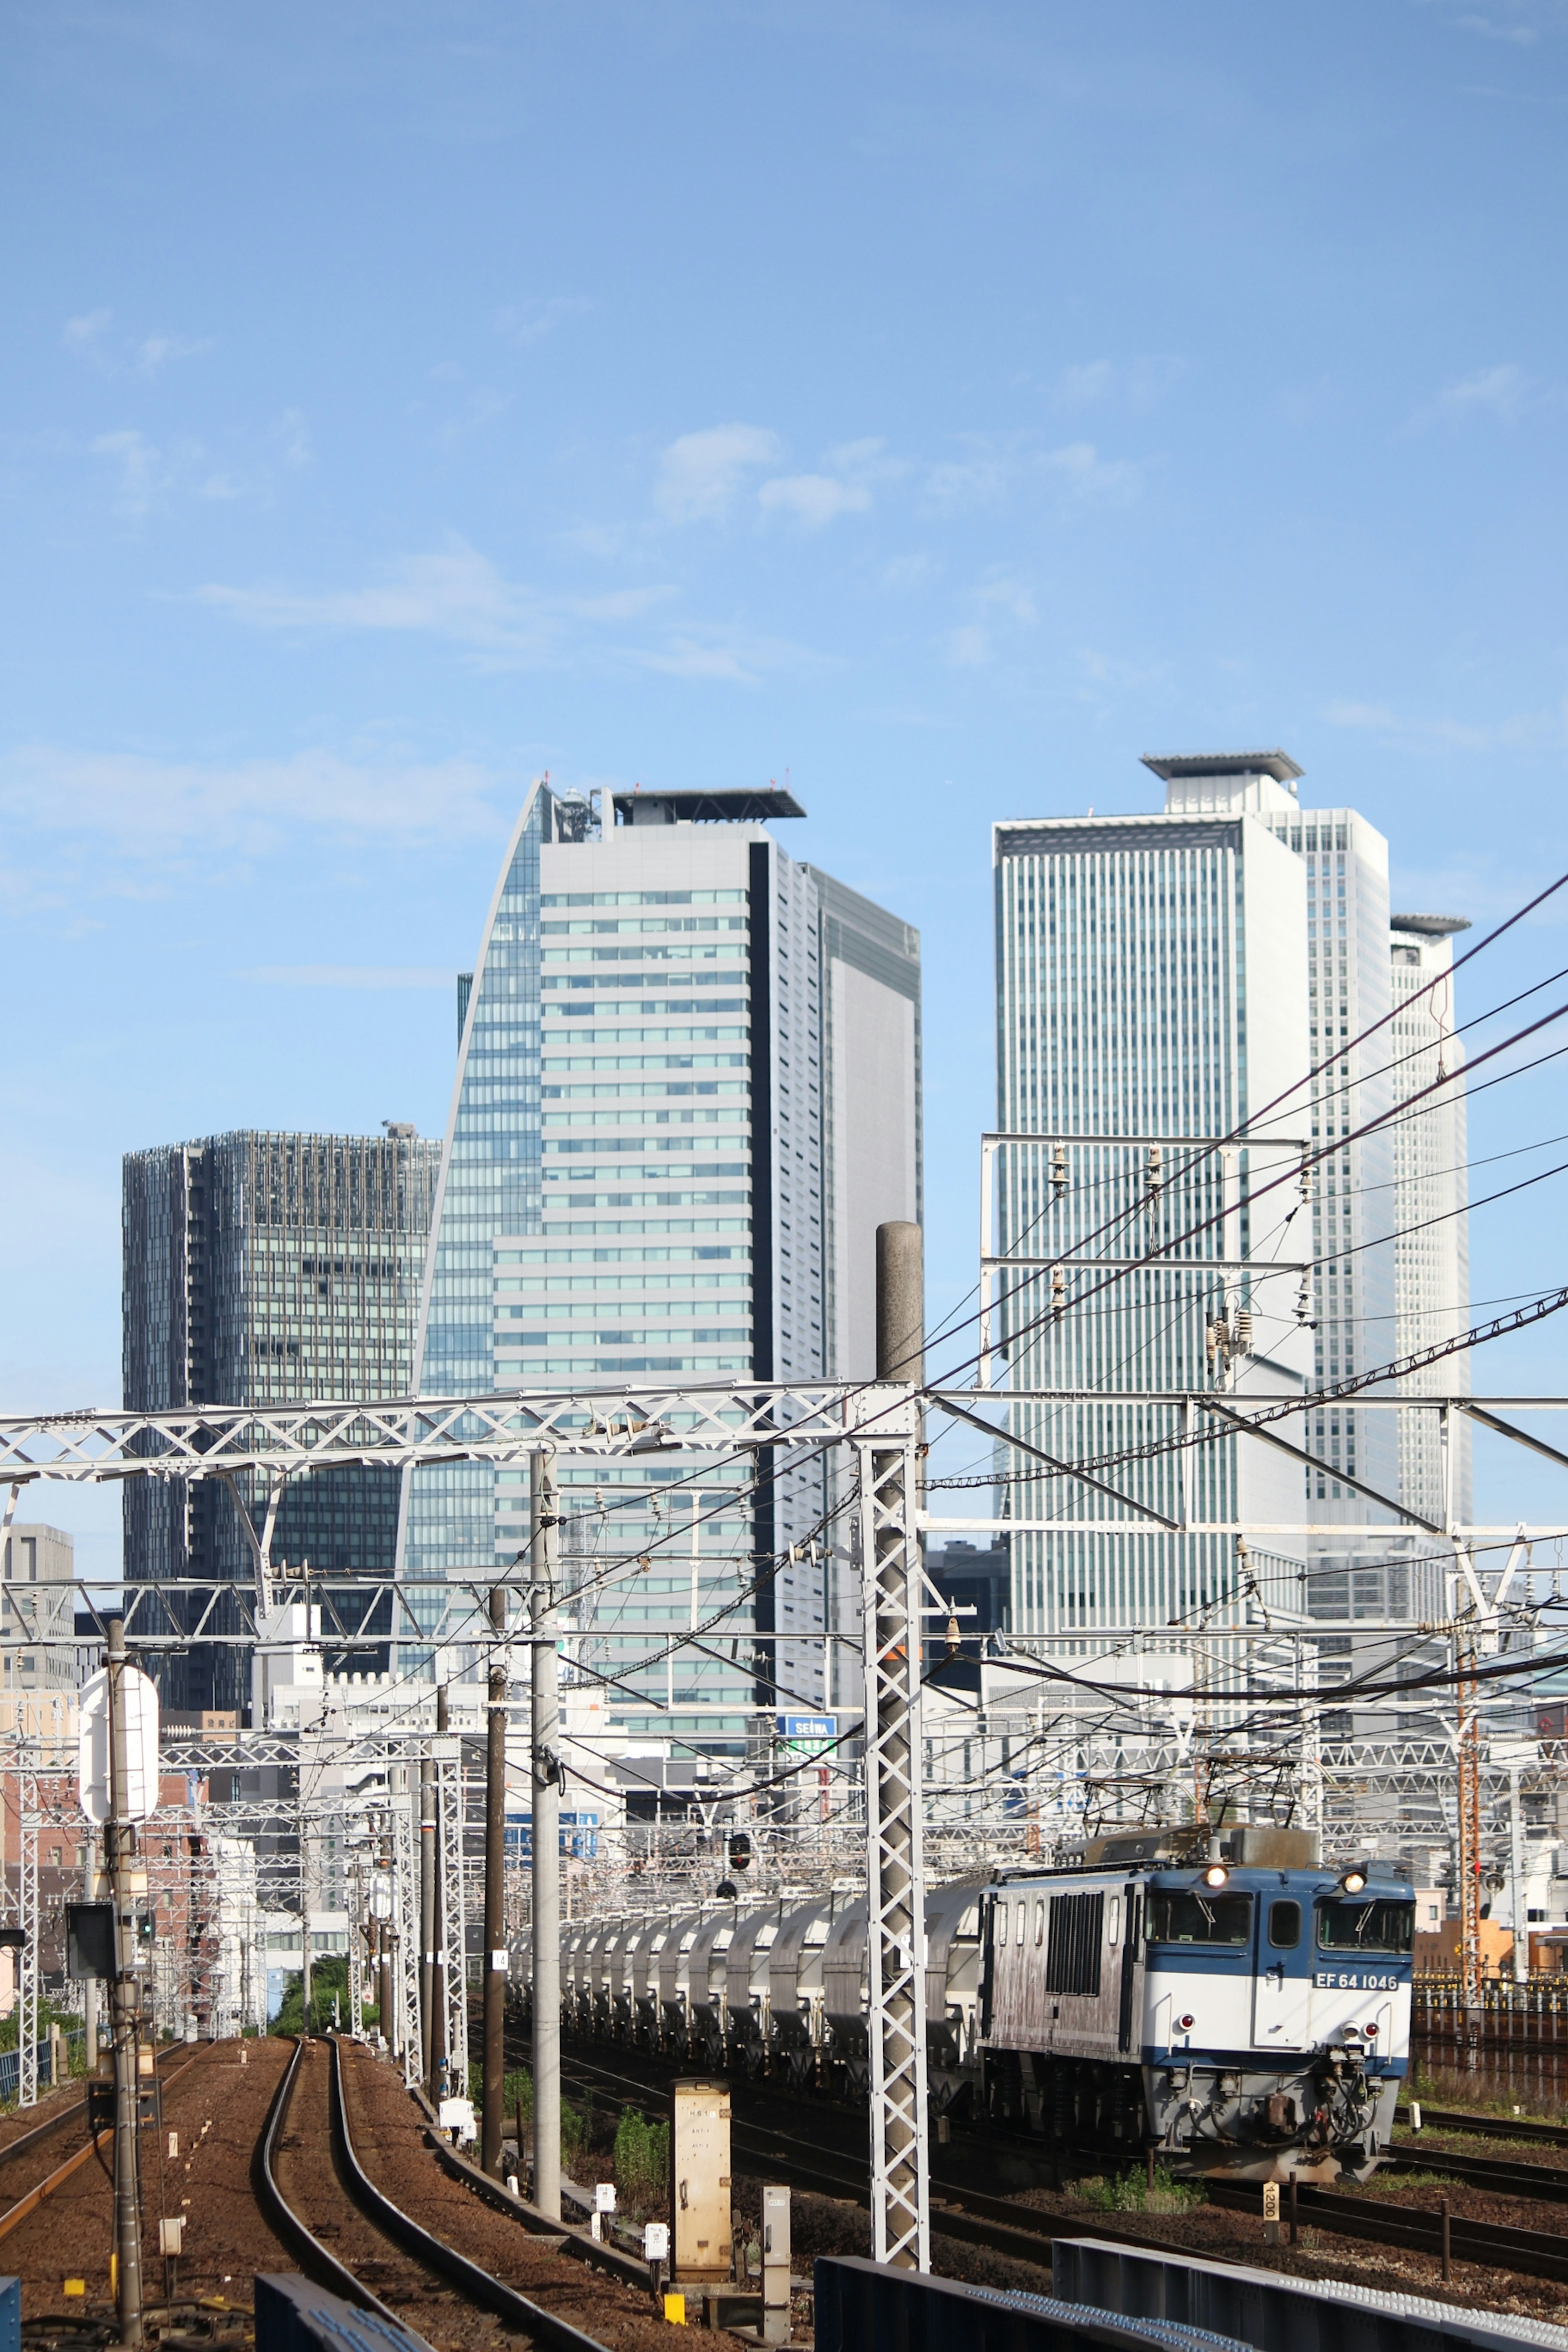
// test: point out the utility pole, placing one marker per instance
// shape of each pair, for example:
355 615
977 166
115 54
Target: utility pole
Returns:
545 1841
439 2055
892 1589
90 1986
429 1866
118 1834
495 1892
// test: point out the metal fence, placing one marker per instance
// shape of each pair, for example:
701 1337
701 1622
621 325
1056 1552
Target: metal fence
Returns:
1529 2016
73 2047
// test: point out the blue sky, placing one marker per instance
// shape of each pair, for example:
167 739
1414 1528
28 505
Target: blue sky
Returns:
939 405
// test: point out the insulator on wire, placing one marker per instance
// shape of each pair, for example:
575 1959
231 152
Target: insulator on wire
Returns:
1244 1330
953 1637
1058 1290
1060 1170
1152 1176
1304 1300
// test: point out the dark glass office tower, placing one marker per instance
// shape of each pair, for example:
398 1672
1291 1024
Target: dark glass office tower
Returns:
268 1269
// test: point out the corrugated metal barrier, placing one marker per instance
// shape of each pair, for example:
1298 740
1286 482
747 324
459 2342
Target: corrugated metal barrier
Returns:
865 2306
1272 2312
294 2314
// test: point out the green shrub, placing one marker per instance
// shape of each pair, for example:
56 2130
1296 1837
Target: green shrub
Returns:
642 2160
1130 2192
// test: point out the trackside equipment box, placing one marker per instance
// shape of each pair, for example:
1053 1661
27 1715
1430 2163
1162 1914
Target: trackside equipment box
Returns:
700 2183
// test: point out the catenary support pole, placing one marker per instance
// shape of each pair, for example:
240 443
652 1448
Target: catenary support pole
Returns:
495 1890
544 1742
429 1870
440 2056
890 1571
386 1995
123 2005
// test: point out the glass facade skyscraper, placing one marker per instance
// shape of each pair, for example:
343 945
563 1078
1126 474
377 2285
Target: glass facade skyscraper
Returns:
647 1179
1151 998
267 1269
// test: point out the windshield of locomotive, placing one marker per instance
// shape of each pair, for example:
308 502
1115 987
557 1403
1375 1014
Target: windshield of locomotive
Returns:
1383 1926
1180 1915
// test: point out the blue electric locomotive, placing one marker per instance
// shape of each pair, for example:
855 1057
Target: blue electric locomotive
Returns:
1224 2001
1233 2005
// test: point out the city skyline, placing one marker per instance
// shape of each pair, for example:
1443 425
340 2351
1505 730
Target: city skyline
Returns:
1050 420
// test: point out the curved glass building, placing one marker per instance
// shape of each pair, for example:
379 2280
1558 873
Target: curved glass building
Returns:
687 1090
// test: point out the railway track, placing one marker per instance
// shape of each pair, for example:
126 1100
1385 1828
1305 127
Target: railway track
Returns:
31 2199
961 2211
1499 2174
1462 2119
293 2179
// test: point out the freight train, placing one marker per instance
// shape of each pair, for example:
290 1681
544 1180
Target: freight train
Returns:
1226 2002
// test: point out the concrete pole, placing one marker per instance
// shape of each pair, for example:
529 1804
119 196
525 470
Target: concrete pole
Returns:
123 2007
545 1931
1516 1878
901 1304
89 1986
495 1893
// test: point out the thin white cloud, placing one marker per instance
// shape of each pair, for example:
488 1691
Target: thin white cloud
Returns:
969 647
85 335
700 473
292 438
456 592
348 975
92 337
529 322
1490 29
1090 475
459 595
154 353
148 472
151 808
1521 730
1131 383
813 500
1500 391
145 472
994 468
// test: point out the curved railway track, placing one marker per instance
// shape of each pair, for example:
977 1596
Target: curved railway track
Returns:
430 2269
978 2219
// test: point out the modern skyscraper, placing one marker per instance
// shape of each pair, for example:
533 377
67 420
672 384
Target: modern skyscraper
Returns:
1432 1253
1152 1002
687 1090
264 1269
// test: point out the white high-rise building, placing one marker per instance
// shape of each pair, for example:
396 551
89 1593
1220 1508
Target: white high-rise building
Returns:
1432 1253
1151 977
688 1091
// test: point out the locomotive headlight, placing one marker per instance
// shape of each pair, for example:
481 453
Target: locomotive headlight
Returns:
1353 1881
1217 1874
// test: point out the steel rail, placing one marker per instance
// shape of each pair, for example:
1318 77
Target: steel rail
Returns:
301 2242
33 2197
1463 2120
1495 2174
476 2284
